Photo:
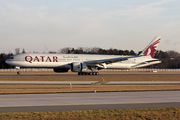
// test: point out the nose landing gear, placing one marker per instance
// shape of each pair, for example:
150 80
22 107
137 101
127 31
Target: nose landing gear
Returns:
18 68
18 72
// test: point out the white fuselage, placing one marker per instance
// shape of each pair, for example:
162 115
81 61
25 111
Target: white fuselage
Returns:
58 60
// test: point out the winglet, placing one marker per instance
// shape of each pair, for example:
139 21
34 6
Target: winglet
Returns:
152 47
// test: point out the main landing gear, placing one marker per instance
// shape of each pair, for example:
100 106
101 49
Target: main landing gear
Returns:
88 73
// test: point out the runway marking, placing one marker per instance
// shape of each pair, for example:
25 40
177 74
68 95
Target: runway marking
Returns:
91 104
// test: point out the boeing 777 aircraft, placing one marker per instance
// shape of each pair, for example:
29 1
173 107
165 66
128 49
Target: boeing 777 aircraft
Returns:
81 62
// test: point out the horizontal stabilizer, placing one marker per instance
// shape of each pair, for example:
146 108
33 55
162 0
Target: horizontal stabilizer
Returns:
147 63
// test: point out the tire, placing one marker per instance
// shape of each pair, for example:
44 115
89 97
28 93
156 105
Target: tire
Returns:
97 73
18 72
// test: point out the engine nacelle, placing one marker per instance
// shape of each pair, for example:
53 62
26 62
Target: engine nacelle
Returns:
60 69
78 67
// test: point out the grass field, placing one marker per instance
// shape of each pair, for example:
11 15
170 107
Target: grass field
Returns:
90 78
11 89
94 78
127 114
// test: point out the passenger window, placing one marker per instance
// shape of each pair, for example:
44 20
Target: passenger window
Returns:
11 58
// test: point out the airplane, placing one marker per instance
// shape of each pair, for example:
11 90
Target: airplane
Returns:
82 63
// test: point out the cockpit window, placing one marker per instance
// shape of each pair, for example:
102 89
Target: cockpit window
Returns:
11 58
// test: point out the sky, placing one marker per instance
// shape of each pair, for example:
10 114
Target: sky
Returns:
49 25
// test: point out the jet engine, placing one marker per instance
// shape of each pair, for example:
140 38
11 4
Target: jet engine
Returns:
60 69
78 67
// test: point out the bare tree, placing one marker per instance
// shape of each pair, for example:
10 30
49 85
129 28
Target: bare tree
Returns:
65 50
175 62
87 49
17 51
95 50
173 54
23 51
52 52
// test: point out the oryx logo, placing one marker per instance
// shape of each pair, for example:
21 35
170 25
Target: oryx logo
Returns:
151 50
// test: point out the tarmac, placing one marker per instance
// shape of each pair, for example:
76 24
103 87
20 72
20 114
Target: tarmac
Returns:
88 101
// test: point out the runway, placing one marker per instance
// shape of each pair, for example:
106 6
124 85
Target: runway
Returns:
88 101
90 82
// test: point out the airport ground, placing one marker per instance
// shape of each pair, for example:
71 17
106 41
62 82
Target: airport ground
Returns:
19 89
153 113
104 76
107 76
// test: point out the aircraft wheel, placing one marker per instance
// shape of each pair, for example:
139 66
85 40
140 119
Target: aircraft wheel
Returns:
18 72
80 73
96 73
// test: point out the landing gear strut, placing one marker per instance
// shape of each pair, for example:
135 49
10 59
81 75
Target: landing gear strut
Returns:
88 73
18 68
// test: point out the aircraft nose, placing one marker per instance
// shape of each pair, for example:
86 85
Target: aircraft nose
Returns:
6 61
9 60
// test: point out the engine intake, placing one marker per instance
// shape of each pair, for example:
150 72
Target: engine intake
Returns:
78 67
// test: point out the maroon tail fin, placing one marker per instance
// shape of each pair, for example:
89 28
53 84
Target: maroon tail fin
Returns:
152 47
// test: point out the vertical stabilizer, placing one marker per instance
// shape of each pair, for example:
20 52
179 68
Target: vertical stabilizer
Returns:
152 47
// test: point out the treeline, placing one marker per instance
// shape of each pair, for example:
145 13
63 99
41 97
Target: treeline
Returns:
95 50
167 63
169 60
3 57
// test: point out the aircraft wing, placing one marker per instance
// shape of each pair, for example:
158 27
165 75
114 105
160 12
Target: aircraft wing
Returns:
109 61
